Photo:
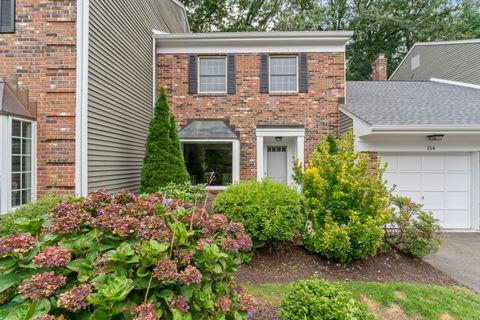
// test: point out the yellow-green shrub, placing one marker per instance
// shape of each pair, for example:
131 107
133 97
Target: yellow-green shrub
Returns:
347 200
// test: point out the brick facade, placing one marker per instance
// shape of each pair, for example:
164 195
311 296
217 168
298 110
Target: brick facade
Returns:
42 54
316 110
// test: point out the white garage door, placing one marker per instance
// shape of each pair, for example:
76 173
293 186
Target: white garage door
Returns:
441 182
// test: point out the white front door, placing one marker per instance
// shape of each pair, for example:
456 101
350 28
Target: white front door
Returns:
277 163
441 182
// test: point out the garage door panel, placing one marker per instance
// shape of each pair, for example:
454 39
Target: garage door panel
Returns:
409 181
433 181
433 162
457 200
391 179
441 182
458 181
433 200
438 214
458 162
409 163
457 219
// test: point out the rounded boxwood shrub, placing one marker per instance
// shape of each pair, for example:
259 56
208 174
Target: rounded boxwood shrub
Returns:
124 257
270 211
318 300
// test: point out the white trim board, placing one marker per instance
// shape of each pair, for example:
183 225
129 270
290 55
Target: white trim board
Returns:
251 42
456 83
81 115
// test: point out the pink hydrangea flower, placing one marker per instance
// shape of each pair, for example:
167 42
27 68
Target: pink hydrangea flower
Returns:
229 244
246 302
183 256
67 217
217 222
190 276
76 298
223 303
124 197
41 285
165 270
154 228
97 200
145 311
53 256
16 244
50 317
181 304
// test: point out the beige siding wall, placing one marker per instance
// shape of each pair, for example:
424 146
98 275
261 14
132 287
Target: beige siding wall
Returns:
120 86
346 123
455 62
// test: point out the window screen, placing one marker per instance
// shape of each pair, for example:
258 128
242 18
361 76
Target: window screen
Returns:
213 74
283 74
7 16
21 163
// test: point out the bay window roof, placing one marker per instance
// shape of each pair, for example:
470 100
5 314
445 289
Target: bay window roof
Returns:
11 104
207 129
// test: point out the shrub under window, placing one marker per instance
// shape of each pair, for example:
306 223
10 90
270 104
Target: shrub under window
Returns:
270 211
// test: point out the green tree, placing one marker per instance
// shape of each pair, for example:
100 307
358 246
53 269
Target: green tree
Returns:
163 162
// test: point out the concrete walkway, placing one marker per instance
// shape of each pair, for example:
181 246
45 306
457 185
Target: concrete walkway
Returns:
459 257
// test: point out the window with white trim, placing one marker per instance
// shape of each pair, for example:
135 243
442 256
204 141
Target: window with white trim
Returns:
21 163
212 75
283 74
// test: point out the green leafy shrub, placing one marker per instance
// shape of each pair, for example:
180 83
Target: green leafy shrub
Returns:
412 230
124 257
163 162
28 213
270 211
184 191
318 300
347 201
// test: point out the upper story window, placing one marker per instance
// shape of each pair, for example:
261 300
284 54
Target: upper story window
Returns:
21 163
7 16
283 74
212 74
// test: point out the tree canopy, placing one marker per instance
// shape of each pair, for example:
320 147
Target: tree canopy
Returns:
380 26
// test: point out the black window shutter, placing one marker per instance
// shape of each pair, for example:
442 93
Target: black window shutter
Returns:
303 76
192 75
7 16
264 73
231 74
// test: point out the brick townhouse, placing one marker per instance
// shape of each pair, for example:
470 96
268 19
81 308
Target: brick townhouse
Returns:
70 72
247 104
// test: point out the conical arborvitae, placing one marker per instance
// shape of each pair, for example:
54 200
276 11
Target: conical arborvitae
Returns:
163 162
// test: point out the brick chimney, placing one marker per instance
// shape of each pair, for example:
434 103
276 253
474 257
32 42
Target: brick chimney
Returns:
379 68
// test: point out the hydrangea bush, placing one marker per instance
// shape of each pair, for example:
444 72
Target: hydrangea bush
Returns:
124 257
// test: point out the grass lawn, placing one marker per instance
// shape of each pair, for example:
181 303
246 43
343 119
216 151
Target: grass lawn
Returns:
394 301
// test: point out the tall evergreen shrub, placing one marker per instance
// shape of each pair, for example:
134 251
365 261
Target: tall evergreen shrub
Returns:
163 162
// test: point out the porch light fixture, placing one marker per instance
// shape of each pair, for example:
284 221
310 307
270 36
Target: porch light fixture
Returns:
436 137
278 139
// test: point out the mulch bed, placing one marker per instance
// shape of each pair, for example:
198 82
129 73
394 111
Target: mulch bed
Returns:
291 263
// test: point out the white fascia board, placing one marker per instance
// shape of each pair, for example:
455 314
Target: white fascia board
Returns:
456 83
280 132
253 42
81 114
414 129
437 43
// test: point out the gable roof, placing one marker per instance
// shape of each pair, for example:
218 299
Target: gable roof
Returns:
412 103
450 60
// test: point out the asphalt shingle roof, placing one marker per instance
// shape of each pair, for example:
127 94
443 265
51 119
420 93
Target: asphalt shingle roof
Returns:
399 103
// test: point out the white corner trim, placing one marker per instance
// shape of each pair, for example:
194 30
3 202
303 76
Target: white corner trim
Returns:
456 83
81 115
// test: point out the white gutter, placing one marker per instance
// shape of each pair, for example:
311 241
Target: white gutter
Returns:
81 113
335 35
456 83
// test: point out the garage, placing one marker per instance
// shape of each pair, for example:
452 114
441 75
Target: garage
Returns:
442 182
